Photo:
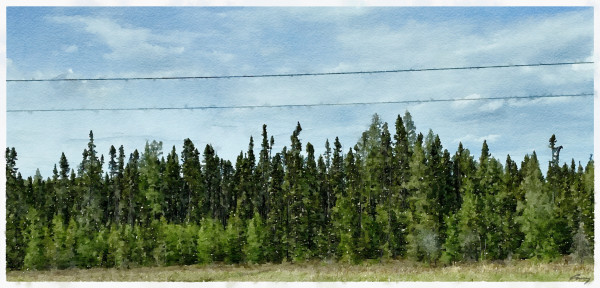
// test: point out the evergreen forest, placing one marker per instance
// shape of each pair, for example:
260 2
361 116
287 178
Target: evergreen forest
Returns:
395 194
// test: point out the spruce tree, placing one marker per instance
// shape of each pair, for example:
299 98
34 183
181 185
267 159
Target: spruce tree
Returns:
210 241
536 217
35 256
172 190
212 207
255 240
16 210
152 201
262 175
192 182
276 247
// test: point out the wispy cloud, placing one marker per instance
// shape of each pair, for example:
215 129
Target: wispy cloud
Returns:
71 49
129 42
470 105
477 139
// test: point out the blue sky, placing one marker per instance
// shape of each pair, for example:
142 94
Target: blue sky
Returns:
71 42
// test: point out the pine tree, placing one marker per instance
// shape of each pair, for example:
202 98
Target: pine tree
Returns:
119 187
348 213
507 200
537 215
263 169
234 240
131 195
469 226
254 243
311 201
337 184
398 198
276 229
212 185
35 258
422 237
192 182
227 190
172 189
245 183
587 201
210 241
91 183
323 210
63 250
16 210
581 246
295 184
558 184
451 247
152 201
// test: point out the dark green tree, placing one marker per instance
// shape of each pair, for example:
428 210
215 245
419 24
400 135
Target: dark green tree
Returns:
192 182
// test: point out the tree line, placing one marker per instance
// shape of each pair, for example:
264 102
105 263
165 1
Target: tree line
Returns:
394 194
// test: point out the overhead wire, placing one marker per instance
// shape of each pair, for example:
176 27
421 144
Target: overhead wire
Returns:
303 74
414 101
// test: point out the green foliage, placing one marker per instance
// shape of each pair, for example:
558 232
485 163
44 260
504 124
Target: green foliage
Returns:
469 231
255 241
389 197
234 240
582 249
537 216
451 247
35 256
210 241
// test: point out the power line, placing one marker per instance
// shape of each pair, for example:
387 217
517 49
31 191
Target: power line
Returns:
296 105
303 74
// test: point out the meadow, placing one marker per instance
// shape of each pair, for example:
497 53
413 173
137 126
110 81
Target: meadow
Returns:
394 271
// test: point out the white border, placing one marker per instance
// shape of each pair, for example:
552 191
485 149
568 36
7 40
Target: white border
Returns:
6 3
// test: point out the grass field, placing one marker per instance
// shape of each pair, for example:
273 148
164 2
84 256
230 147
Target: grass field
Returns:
320 271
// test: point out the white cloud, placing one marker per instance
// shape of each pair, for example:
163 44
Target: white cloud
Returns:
469 138
491 105
466 103
71 49
473 105
130 42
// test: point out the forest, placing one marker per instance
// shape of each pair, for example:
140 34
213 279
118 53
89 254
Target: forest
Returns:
393 195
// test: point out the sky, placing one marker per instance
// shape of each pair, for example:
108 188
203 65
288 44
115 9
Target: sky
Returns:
107 42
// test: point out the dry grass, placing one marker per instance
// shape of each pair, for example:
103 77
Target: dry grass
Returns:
321 272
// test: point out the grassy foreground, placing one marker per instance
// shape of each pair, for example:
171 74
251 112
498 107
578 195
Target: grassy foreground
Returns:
319 271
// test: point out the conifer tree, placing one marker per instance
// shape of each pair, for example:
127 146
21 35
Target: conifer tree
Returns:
337 185
411 130
131 194
262 172
35 258
227 190
469 226
192 182
422 236
246 183
276 229
152 201
311 201
536 217
255 240
210 241
172 189
234 240
16 209
212 183
91 184
119 187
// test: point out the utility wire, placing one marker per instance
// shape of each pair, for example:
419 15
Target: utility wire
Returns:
302 74
297 105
